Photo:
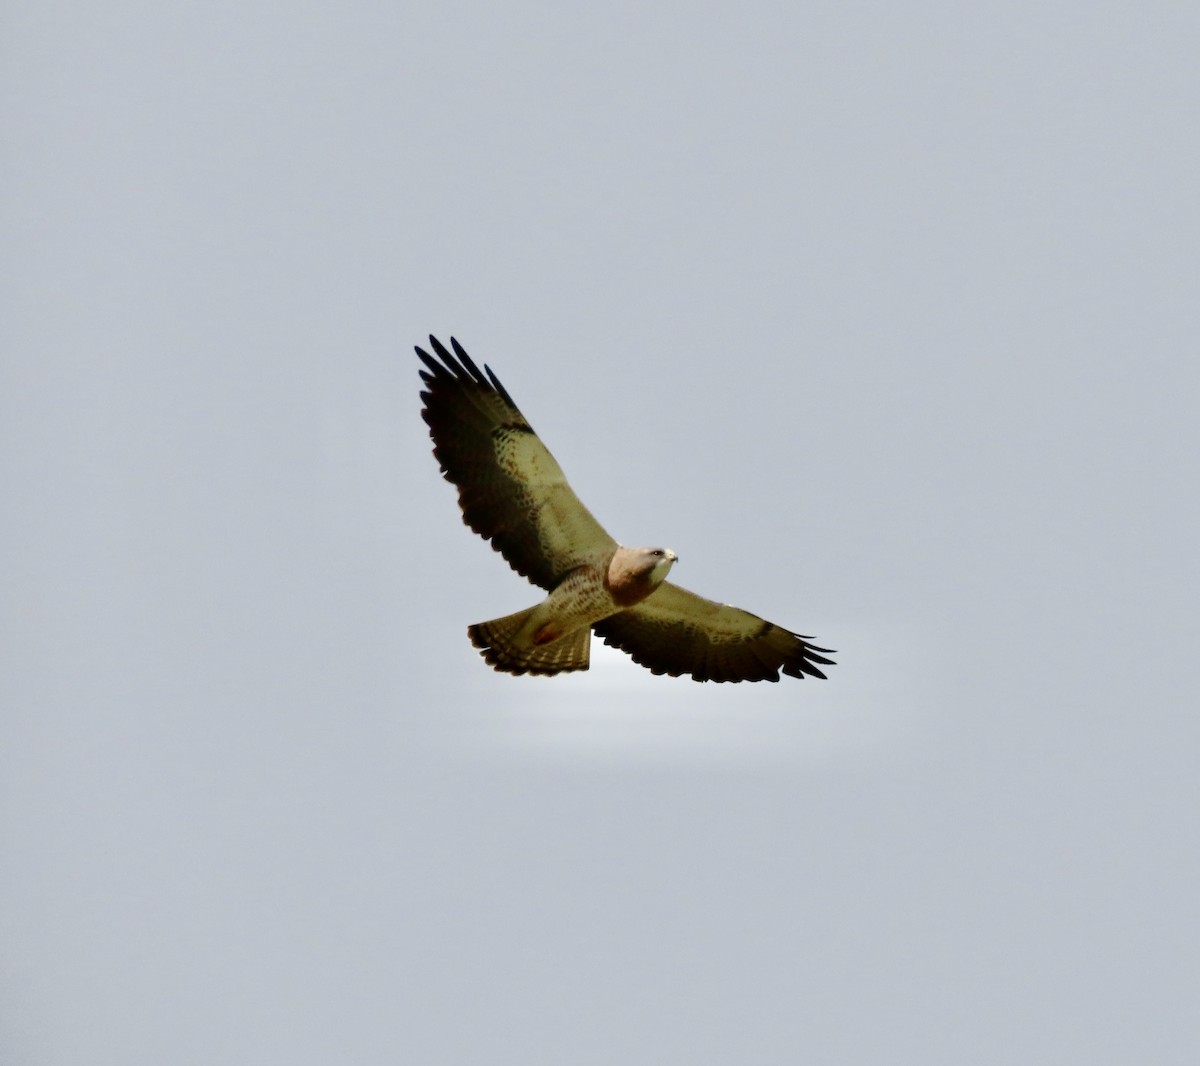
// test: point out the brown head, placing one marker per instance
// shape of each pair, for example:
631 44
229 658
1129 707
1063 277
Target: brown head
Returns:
634 573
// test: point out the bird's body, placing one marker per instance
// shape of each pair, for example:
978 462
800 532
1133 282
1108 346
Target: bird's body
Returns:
555 635
513 492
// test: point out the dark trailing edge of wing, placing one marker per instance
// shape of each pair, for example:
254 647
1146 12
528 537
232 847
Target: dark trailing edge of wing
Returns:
465 408
678 650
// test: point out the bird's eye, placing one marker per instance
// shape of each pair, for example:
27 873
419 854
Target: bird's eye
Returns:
657 551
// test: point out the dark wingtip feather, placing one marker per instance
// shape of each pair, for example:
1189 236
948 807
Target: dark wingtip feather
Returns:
498 387
445 355
429 361
467 361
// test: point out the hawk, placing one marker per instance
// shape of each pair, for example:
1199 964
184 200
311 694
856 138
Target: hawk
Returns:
514 494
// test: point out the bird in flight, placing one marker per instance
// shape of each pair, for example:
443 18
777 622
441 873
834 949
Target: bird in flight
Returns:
513 493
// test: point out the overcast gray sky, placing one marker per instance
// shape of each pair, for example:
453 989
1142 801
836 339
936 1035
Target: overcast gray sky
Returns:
883 316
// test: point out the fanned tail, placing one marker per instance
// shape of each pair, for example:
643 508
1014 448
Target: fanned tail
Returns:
497 642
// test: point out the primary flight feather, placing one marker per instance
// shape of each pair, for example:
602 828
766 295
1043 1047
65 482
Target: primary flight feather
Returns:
513 493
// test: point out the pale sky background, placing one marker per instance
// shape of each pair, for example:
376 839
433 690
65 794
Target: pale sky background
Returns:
886 317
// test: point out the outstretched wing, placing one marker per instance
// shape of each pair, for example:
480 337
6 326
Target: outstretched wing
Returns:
676 632
510 489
